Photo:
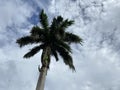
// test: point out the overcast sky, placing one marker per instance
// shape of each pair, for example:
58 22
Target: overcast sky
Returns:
97 62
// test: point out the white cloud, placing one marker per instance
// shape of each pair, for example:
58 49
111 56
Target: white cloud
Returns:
97 61
13 12
13 18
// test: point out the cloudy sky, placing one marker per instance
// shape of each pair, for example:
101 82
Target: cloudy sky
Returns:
97 61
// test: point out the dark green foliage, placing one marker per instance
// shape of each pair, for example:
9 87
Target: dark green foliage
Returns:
36 31
70 37
59 19
33 51
66 23
64 45
54 53
25 40
44 20
66 57
54 36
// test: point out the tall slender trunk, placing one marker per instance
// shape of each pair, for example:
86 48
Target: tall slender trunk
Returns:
45 60
41 79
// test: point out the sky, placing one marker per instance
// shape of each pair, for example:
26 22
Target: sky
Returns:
97 62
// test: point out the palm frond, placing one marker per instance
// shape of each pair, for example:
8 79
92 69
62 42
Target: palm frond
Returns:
33 51
54 53
59 19
66 57
69 61
66 23
53 26
72 38
36 31
59 25
63 44
56 24
25 41
44 20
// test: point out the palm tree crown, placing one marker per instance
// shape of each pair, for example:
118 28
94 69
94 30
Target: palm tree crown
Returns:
53 36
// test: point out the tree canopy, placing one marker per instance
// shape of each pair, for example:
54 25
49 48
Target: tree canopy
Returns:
54 35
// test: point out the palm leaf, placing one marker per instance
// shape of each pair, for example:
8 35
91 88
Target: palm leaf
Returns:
72 38
59 19
36 31
63 44
53 26
54 53
25 40
66 23
43 20
66 57
33 51
69 61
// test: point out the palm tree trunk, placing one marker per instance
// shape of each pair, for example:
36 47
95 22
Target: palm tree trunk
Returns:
41 79
45 60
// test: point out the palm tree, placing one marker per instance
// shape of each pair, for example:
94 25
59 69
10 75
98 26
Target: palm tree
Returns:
53 40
